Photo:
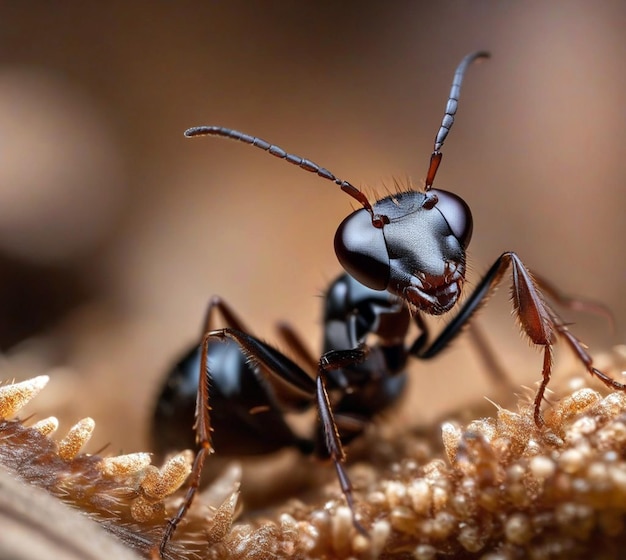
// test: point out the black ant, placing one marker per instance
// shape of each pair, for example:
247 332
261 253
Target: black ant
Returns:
404 255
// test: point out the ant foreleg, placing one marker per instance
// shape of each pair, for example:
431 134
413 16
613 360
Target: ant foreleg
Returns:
581 353
280 366
537 319
540 322
334 360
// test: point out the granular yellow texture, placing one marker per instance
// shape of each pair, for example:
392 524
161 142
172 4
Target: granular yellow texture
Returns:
492 488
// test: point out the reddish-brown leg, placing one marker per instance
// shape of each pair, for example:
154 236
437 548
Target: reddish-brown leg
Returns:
203 419
581 353
231 319
297 345
536 318
203 440
573 303
542 324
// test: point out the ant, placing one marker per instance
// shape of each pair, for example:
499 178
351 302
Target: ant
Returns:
404 256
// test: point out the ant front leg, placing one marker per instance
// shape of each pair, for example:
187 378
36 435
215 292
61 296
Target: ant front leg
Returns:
280 366
332 361
537 319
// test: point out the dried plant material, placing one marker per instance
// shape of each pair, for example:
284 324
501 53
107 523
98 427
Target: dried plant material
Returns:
494 488
125 464
128 496
14 396
158 484
222 520
36 526
47 426
75 439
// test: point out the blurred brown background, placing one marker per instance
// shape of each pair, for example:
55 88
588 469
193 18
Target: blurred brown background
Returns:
115 230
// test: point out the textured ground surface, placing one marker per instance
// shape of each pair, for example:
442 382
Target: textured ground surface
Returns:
495 488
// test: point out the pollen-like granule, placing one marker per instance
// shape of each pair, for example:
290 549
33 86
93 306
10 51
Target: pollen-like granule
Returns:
76 438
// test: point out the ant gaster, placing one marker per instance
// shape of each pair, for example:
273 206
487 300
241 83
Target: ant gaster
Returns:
404 256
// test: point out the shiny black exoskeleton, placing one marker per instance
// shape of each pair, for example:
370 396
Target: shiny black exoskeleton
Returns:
237 388
248 407
405 256
419 254
252 384
354 315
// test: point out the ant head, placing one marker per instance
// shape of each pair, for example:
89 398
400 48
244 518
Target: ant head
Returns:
411 244
419 252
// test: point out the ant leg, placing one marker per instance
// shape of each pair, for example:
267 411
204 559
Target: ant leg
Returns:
573 342
537 319
498 374
297 345
203 424
574 303
337 359
554 323
493 367
203 440
279 365
231 319
304 390
545 379
581 353
272 360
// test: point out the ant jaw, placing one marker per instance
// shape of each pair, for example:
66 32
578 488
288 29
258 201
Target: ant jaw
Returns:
434 298
433 304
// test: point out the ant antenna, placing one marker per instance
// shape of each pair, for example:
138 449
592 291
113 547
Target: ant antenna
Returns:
307 165
448 117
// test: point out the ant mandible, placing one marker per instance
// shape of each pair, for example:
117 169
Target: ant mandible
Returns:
404 255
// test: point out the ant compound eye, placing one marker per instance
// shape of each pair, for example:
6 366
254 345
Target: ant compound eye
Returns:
361 250
457 214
